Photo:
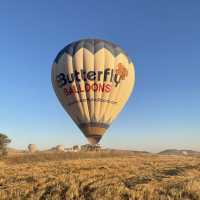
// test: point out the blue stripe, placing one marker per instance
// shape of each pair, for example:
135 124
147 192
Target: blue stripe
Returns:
93 45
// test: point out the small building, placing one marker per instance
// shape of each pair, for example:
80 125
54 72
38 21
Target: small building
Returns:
60 148
89 147
68 149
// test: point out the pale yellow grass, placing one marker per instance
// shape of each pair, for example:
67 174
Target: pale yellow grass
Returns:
137 177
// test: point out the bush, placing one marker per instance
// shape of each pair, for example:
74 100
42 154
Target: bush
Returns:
4 141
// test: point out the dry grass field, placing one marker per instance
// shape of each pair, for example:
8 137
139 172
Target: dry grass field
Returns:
99 175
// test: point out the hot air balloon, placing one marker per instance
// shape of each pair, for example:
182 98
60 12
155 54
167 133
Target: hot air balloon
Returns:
93 80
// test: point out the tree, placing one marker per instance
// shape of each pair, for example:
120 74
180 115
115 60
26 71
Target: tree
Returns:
4 141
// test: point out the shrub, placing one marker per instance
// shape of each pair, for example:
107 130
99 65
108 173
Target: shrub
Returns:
4 141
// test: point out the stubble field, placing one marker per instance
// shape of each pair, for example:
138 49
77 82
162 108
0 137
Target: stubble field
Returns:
99 176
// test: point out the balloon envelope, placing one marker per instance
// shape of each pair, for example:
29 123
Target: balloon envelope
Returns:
93 80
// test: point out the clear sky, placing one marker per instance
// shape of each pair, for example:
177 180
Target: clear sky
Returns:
161 37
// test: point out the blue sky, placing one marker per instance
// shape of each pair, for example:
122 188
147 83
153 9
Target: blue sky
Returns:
162 38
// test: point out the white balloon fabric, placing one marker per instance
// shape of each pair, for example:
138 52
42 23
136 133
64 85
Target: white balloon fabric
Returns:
93 80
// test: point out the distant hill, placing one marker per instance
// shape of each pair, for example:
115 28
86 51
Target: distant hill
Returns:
179 152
